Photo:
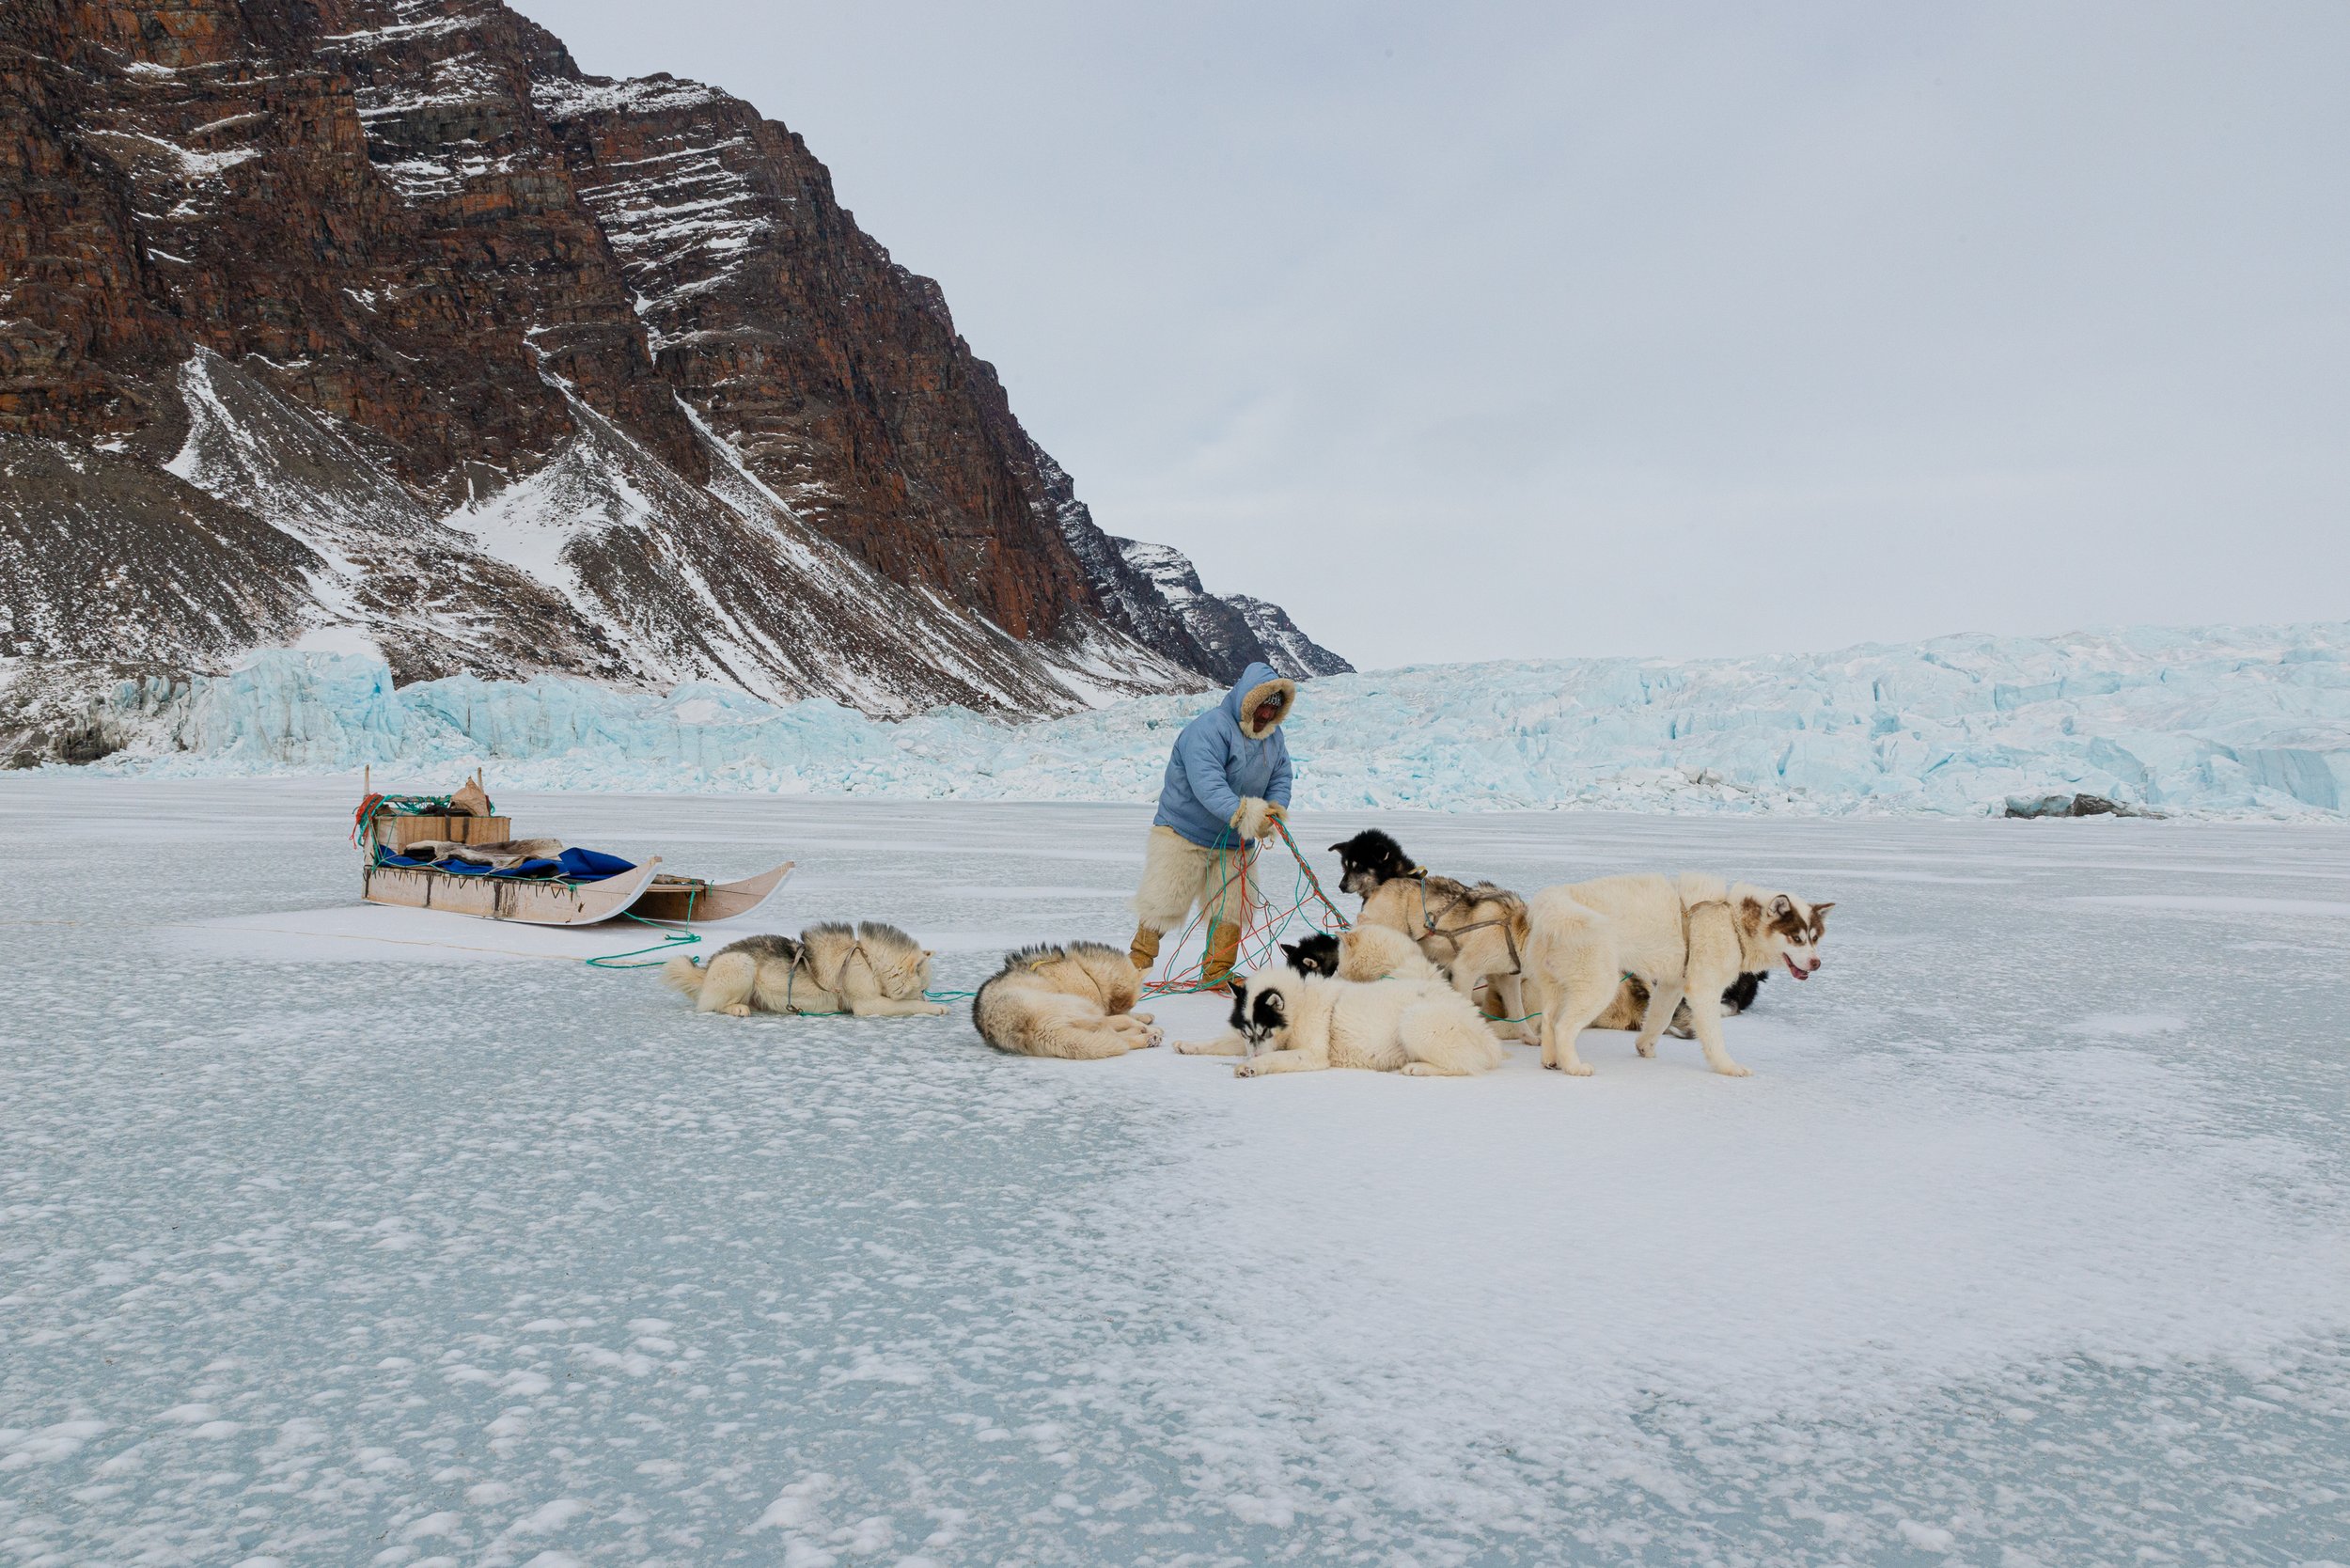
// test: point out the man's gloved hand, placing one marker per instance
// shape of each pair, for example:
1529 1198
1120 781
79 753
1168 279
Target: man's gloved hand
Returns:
1273 812
1253 820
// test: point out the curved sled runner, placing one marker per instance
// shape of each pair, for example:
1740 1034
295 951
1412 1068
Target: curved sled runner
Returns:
499 898
693 902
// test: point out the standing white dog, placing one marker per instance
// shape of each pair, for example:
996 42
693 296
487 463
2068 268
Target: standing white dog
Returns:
1420 1027
1684 938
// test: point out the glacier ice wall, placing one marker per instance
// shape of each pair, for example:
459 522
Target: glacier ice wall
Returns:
2211 721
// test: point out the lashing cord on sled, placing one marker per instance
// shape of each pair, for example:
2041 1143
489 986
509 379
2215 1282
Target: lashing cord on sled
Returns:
373 806
1265 924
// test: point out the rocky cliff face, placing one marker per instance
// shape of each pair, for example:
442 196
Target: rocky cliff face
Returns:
1229 631
1288 648
376 323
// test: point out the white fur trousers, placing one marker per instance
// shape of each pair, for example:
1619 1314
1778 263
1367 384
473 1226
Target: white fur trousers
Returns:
1177 874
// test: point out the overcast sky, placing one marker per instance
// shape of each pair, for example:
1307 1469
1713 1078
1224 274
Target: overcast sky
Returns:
1492 331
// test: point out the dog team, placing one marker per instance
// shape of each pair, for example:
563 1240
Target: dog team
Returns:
1398 993
1433 976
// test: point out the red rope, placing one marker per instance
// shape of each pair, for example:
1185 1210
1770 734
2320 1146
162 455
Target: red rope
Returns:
1262 928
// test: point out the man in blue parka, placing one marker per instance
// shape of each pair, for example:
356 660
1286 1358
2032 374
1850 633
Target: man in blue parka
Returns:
1226 783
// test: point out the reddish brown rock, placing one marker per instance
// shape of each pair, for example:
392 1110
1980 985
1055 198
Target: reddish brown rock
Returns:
757 446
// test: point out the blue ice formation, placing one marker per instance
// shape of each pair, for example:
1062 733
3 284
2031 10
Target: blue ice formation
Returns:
2208 721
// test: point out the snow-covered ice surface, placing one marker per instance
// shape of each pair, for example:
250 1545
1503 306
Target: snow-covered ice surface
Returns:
324 1239
2216 721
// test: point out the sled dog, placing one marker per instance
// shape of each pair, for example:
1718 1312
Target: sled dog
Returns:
1371 860
1423 1027
1365 953
1686 936
1631 1006
1075 1002
1462 928
871 970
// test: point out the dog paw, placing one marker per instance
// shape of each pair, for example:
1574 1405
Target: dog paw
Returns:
1571 1069
1732 1069
1142 1017
1243 1069
740 1010
937 1009
1648 1050
1153 1037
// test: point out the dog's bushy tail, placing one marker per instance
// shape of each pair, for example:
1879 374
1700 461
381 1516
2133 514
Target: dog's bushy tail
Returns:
682 973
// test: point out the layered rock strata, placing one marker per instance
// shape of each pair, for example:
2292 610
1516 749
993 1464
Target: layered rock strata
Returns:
377 322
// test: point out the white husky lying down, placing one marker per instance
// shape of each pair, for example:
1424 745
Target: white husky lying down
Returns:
1073 999
1420 1027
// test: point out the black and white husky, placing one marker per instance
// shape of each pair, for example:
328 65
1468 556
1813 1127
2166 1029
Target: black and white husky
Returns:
1285 1021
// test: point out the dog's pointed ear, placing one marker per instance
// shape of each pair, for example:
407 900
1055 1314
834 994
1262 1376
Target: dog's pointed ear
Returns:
1783 905
1272 1002
1237 986
1338 848
1823 908
928 954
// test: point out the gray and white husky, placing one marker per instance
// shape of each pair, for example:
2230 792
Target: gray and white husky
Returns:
869 970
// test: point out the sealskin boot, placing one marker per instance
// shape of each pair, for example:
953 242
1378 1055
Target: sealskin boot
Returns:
1223 952
1144 950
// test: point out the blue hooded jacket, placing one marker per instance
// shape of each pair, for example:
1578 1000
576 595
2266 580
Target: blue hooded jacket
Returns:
1221 757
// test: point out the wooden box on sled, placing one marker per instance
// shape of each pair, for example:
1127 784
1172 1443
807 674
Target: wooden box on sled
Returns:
398 833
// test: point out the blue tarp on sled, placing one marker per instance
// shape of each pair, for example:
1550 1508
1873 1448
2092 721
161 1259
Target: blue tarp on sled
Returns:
573 865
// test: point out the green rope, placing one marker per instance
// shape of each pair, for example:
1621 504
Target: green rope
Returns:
671 938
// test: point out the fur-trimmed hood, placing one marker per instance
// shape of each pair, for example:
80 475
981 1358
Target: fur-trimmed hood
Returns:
1223 762
1259 682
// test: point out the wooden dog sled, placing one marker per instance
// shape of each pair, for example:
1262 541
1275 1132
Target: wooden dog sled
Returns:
392 823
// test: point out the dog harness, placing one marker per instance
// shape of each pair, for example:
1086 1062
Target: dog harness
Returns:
1452 934
855 949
